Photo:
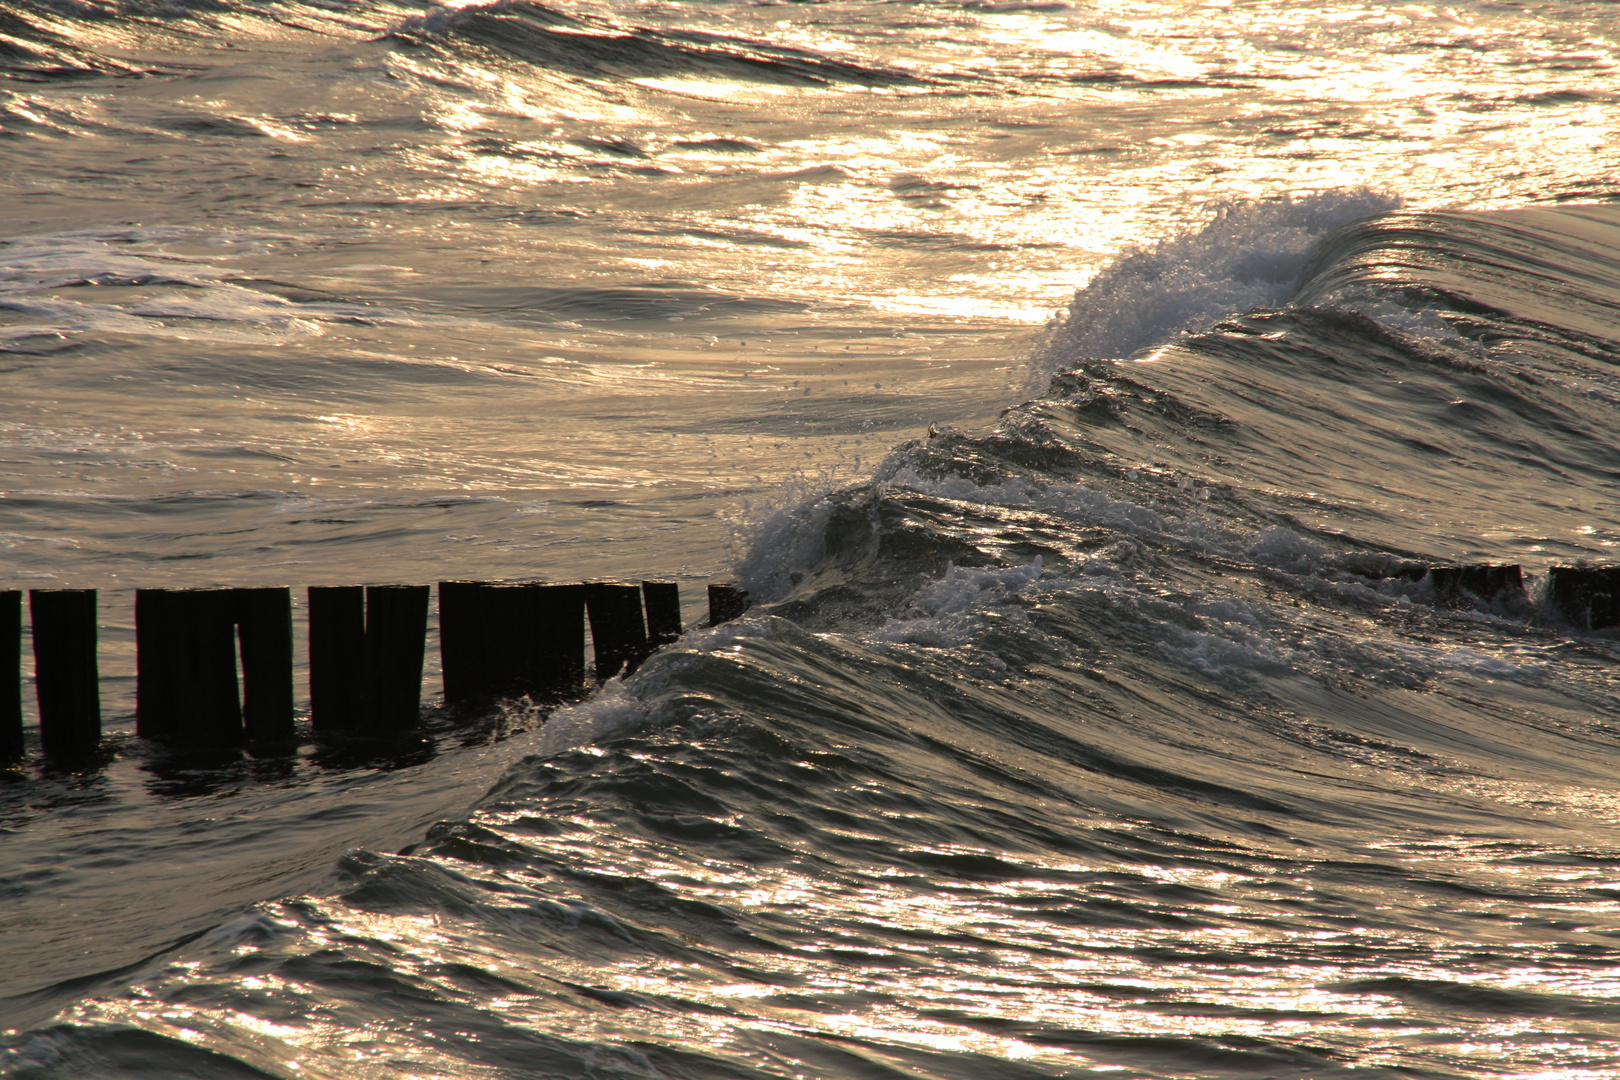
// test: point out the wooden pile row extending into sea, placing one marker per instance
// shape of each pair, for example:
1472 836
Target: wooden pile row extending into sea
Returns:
214 667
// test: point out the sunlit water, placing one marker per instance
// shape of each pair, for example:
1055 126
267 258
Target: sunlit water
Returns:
1098 734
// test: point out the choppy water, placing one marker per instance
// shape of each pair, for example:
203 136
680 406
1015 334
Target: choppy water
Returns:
1083 723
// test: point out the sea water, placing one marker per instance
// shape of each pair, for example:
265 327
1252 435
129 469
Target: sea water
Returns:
1072 387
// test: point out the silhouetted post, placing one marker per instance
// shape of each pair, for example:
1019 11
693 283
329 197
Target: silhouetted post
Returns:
461 641
185 667
726 602
65 673
265 635
1488 582
337 656
1588 598
155 706
491 649
511 641
559 618
11 720
499 640
618 634
542 653
662 599
208 709
396 636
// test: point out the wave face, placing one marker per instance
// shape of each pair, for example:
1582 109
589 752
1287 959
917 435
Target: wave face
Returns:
1107 738
41 40
598 48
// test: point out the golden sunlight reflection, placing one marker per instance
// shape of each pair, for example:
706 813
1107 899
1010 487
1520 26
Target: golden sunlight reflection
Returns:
865 198
916 957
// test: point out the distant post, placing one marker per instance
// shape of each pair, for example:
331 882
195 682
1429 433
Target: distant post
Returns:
499 640
726 602
461 641
396 636
65 672
512 657
559 615
155 676
337 655
265 637
1586 597
11 718
1460 586
662 599
618 634
185 667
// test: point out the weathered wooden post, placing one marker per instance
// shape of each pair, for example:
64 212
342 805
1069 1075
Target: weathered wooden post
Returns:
461 642
512 655
498 640
211 705
1586 597
618 634
185 664
559 613
337 656
662 600
65 672
726 602
1458 586
395 638
11 717
265 637
154 674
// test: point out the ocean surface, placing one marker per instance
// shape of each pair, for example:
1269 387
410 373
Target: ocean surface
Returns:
1073 386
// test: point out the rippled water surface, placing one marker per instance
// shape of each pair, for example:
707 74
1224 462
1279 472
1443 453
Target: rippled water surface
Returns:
1078 390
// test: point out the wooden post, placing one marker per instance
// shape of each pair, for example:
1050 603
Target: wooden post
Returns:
208 708
185 667
155 614
1460 586
618 635
65 672
461 642
1587 598
511 641
11 718
265 636
497 641
726 602
559 616
337 651
396 636
662 599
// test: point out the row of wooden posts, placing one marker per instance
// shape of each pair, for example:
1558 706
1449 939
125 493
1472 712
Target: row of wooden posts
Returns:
1584 597
367 645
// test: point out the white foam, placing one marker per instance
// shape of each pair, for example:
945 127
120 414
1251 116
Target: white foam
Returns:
1424 325
447 15
1249 255
612 708
623 703
1225 655
786 538
945 614
1284 549
77 282
1076 502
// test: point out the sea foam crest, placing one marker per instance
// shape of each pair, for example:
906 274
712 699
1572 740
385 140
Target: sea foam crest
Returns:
1250 255
186 296
946 613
